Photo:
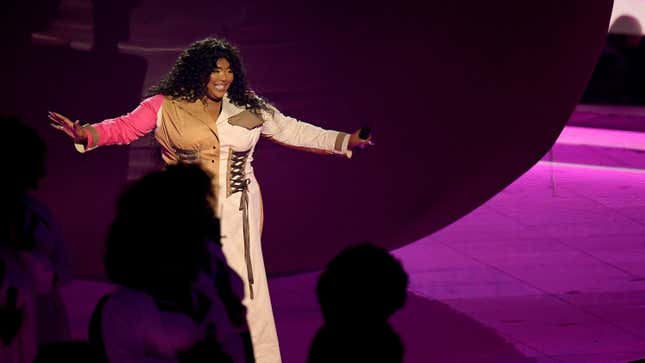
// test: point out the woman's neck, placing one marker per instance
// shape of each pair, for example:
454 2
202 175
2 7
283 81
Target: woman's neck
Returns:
214 107
210 99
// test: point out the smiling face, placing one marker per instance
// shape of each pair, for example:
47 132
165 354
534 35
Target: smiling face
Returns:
220 80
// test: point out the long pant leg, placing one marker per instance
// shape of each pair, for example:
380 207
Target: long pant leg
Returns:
259 312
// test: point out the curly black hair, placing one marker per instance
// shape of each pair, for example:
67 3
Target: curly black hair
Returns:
189 76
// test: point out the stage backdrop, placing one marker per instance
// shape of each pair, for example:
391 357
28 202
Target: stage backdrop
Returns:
462 97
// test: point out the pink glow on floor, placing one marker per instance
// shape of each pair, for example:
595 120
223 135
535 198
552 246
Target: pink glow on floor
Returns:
574 135
555 263
552 269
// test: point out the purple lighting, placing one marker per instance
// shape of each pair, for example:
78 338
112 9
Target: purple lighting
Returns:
600 149
519 216
572 135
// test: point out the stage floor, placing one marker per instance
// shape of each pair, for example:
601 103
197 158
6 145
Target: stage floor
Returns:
552 269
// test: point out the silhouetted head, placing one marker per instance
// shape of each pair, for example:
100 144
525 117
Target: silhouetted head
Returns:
24 153
625 32
157 242
362 283
189 78
626 24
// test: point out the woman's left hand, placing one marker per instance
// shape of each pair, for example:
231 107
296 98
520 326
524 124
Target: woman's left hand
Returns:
356 142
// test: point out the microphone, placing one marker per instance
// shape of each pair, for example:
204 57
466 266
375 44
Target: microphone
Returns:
365 132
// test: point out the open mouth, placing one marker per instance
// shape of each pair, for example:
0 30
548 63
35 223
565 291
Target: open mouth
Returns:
220 86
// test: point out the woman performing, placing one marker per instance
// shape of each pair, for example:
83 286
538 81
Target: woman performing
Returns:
203 111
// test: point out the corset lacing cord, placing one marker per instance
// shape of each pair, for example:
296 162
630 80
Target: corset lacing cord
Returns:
238 183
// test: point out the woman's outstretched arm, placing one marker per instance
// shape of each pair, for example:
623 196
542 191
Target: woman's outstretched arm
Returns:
116 131
301 135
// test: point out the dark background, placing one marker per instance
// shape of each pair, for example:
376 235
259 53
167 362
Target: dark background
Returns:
463 98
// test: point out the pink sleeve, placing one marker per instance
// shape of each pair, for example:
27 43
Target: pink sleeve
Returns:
127 128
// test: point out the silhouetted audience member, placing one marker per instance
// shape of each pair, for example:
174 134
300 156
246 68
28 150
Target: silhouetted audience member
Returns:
360 289
33 259
619 75
180 302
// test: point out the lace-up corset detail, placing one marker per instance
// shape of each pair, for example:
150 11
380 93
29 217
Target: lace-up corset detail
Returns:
237 181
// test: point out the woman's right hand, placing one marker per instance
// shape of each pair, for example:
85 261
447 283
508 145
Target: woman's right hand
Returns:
72 129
